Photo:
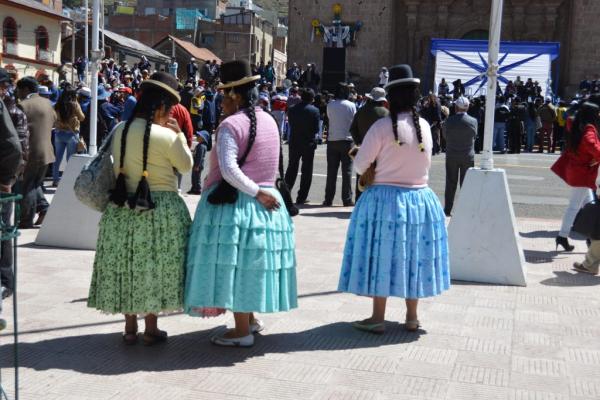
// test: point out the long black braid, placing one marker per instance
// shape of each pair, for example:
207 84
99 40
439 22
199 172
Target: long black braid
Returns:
119 194
417 123
249 94
404 99
152 99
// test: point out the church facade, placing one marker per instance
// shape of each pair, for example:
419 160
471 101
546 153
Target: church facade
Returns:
388 32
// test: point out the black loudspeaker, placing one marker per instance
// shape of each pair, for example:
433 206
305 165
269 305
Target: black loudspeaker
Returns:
334 59
334 68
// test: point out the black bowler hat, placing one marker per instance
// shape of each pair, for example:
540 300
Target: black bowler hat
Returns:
164 81
401 75
236 73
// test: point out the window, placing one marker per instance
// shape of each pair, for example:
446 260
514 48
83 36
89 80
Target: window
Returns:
233 37
208 40
42 44
9 36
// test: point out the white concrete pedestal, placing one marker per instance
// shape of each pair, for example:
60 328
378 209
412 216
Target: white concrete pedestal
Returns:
70 224
483 238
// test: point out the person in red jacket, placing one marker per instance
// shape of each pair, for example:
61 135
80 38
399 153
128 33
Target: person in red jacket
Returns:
184 120
578 166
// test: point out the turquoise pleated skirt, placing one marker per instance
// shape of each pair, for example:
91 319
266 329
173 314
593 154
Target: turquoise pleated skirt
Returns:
241 257
396 245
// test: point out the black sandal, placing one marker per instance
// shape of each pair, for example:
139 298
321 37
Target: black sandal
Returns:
150 339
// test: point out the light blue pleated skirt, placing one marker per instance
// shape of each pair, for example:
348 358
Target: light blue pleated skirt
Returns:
397 245
241 257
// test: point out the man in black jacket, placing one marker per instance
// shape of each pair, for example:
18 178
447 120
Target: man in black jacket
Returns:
11 159
303 119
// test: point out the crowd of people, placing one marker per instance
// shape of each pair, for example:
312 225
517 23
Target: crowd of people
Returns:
238 253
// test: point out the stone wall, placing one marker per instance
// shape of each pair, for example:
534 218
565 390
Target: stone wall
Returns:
584 45
374 44
399 31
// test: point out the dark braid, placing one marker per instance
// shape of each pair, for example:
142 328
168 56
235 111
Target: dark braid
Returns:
149 122
394 117
416 121
119 194
404 99
251 113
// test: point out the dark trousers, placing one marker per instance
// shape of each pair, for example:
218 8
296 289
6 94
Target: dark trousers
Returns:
558 138
199 156
456 169
30 187
437 140
337 152
307 155
6 251
547 131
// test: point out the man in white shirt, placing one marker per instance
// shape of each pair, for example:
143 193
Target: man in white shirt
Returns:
340 112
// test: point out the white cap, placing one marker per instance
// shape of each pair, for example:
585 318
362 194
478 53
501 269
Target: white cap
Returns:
462 102
377 94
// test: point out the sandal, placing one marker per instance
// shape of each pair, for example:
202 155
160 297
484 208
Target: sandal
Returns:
257 326
150 339
130 338
245 341
582 268
412 326
377 328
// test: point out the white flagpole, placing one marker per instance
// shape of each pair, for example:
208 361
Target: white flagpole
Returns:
86 46
96 54
487 161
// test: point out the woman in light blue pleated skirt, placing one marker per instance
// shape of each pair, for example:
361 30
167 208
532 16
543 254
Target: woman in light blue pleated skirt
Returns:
397 243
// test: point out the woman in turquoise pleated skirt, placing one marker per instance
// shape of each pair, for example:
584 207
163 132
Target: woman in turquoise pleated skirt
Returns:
241 251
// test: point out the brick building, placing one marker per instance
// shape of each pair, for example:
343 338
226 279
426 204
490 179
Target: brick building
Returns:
399 31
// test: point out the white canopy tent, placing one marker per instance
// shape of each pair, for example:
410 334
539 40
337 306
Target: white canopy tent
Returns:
467 60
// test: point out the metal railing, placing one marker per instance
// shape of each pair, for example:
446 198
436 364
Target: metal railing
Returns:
10 232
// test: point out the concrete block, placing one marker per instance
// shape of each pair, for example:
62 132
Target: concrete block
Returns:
70 224
483 238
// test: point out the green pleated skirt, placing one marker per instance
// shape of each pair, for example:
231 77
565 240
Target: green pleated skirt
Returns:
139 266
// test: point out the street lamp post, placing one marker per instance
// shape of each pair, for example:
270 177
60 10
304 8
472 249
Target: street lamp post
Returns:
86 45
96 55
487 161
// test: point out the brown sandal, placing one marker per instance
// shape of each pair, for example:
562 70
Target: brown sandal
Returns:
150 339
130 338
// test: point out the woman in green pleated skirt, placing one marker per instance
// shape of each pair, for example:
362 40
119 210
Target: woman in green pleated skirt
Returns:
139 268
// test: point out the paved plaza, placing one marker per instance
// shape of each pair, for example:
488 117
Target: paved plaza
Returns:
478 342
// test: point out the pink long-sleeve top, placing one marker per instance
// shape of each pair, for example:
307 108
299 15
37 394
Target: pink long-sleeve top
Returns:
398 165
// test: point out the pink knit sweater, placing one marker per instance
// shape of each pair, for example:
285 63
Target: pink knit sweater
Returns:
263 160
405 165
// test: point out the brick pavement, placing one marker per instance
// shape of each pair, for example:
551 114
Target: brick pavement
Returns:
478 341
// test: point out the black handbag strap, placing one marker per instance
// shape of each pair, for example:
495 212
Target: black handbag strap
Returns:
281 173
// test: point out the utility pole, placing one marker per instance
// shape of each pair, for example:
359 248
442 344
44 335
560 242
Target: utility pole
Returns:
96 56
